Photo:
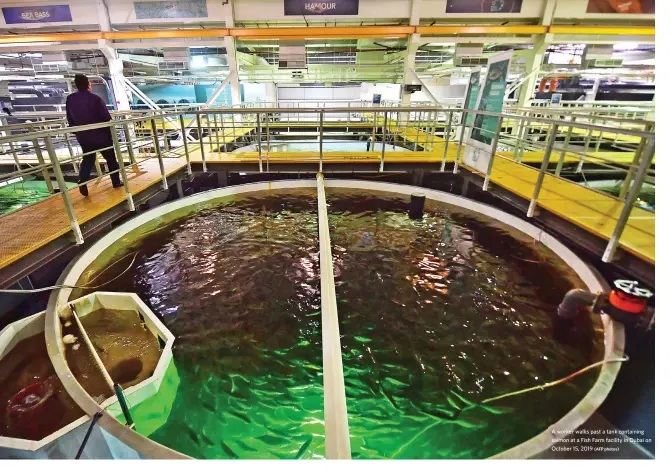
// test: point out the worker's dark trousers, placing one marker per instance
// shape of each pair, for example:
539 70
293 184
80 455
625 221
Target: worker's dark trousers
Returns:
89 160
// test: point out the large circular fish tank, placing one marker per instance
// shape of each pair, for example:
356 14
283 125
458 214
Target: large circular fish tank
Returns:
435 315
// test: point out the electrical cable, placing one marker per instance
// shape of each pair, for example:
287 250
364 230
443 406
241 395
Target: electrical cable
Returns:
543 386
94 420
75 286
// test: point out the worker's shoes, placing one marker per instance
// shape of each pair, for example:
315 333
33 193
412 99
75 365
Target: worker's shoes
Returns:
83 189
117 185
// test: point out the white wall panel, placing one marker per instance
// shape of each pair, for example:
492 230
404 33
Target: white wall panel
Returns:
254 92
349 93
389 91
290 93
318 94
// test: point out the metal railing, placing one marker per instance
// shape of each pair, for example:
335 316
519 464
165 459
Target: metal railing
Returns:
569 149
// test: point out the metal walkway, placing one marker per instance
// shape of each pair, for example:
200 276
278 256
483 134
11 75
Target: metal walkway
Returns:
27 230
32 227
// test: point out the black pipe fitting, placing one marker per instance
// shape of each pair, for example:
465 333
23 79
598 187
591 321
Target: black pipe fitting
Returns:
575 304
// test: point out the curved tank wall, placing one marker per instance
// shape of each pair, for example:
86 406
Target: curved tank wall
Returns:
99 254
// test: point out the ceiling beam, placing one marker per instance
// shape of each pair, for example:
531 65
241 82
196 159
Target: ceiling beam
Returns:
335 32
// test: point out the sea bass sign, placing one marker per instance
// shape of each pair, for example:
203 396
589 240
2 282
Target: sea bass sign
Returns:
327 8
37 14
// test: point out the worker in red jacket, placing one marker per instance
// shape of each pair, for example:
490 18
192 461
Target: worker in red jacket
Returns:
84 107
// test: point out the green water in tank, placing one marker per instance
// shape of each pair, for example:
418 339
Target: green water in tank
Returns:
434 314
17 195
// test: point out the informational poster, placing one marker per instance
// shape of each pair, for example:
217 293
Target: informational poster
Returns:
621 6
332 7
484 6
556 99
473 93
37 14
491 97
171 9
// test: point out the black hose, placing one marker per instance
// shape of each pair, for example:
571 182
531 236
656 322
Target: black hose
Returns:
94 420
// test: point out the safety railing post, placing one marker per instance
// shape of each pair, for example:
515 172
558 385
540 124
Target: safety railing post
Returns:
524 137
587 145
494 147
636 160
321 141
464 118
16 158
543 170
183 137
122 168
40 159
209 132
559 165
129 145
600 139
65 194
642 169
447 133
374 131
70 150
267 135
159 154
430 128
519 133
232 116
216 132
381 163
165 136
259 131
201 139
436 120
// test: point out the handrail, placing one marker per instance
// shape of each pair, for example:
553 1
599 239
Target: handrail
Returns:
428 129
579 114
595 127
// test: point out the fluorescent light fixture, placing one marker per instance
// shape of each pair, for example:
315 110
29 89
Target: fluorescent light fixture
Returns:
12 181
625 46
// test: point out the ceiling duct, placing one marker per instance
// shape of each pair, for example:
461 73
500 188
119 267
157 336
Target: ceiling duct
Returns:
175 59
603 63
599 51
470 61
292 56
52 62
469 50
469 55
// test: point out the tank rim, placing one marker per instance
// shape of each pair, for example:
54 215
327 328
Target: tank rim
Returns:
614 337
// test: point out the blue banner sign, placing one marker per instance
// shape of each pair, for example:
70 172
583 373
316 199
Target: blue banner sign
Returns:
491 99
332 7
479 149
472 94
37 14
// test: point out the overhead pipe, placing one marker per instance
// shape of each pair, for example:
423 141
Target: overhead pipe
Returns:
341 32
